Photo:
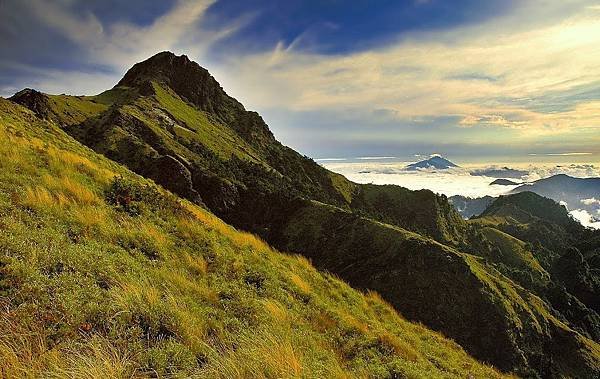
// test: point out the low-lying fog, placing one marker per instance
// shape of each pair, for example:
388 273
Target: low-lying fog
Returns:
469 180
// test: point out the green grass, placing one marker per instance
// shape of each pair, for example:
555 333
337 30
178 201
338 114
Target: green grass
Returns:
220 139
72 110
411 270
90 290
115 95
513 253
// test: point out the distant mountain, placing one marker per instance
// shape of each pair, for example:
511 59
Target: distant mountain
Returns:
500 172
577 193
469 207
504 182
436 162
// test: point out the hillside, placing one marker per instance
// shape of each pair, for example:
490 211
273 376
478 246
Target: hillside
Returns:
577 193
169 120
549 241
123 279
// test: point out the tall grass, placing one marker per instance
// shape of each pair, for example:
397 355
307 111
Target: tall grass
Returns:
90 290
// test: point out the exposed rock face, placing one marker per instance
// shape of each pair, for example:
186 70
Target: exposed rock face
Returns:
173 175
34 100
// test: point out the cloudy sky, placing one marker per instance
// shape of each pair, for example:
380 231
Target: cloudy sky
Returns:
333 78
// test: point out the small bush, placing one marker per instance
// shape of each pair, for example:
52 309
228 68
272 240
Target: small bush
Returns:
133 198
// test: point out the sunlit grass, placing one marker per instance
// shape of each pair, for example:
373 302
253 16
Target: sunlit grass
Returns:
90 290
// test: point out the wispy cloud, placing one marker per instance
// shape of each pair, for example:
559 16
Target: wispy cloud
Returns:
116 45
585 218
571 154
485 75
529 77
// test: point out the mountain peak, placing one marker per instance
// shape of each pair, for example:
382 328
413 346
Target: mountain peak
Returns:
34 100
162 67
186 78
435 161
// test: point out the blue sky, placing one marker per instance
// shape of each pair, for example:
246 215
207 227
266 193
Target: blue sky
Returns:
465 78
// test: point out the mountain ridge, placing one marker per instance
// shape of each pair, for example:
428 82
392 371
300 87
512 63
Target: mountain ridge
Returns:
215 149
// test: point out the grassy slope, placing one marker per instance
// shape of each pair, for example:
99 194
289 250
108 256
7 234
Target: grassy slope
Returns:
173 120
513 254
420 211
412 271
177 127
73 110
223 141
96 292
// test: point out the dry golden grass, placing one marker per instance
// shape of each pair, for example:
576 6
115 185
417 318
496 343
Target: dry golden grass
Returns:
400 347
282 358
63 160
97 358
40 198
239 239
196 264
271 356
157 237
181 283
24 354
93 220
300 283
304 262
276 310
21 350
353 323
75 191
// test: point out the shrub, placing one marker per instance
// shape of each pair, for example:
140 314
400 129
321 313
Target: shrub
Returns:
133 198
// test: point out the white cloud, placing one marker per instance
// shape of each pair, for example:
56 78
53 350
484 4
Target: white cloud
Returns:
119 45
455 181
591 201
481 74
502 72
562 154
577 170
585 218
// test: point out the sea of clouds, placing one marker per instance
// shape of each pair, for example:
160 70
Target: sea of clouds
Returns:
471 180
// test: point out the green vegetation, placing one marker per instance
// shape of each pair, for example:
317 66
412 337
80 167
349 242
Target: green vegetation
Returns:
195 125
122 279
71 110
513 256
409 270
517 287
420 211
